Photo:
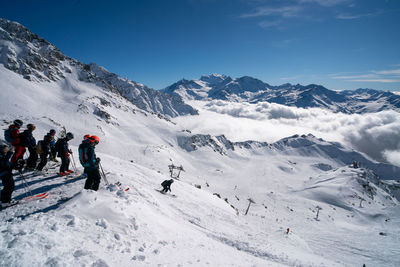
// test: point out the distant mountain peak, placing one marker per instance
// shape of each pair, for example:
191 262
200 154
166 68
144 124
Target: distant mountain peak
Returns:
253 90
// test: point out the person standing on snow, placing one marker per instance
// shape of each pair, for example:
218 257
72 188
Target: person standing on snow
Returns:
53 151
11 135
27 140
43 149
167 185
64 153
90 162
6 175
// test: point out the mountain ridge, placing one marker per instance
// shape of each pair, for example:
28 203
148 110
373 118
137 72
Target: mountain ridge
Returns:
252 90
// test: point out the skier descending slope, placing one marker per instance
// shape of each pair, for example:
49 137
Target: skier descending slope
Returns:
43 149
6 175
64 153
27 140
166 186
90 162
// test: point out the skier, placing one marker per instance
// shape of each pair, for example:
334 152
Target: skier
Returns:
64 153
53 151
166 185
90 162
43 149
85 143
27 140
11 135
6 175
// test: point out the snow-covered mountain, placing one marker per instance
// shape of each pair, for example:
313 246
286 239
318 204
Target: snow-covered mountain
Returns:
37 60
252 90
202 222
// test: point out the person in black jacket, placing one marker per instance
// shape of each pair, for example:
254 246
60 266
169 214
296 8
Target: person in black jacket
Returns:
166 185
90 162
27 140
44 151
6 175
64 153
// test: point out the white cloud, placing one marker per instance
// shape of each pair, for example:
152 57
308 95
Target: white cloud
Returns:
372 133
284 11
392 156
270 24
326 3
376 80
389 72
381 76
347 16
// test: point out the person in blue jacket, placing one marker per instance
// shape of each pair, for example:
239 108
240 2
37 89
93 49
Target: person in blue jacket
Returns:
90 162
53 151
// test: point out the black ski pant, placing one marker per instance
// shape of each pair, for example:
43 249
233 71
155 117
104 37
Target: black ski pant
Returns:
43 161
53 152
166 189
33 157
93 178
8 187
64 163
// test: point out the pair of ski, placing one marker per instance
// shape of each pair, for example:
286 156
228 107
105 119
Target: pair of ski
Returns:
28 199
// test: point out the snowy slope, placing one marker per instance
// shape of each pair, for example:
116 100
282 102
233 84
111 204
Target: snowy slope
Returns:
249 89
37 60
203 226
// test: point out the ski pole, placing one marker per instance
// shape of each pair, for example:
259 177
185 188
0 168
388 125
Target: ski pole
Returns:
104 175
26 186
73 162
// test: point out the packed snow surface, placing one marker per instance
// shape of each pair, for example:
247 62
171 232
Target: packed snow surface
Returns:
134 225
296 201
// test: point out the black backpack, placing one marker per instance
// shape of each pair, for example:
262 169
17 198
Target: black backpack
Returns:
58 146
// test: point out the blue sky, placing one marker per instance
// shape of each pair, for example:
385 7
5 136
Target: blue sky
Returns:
341 44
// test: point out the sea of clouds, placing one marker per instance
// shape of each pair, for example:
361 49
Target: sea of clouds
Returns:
375 134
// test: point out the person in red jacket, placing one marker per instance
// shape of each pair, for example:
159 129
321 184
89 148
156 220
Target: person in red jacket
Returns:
16 142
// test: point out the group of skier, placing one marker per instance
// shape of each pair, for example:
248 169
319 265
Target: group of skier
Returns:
13 150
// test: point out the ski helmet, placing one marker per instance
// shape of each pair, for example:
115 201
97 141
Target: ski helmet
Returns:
70 136
31 127
19 123
52 132
86 136
95 139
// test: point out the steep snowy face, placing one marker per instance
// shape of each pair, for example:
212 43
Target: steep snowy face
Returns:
304 146
196 89
248 89
37 60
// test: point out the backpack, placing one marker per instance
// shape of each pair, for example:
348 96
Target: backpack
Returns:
58 145
7 135
83 156
23 139
39 147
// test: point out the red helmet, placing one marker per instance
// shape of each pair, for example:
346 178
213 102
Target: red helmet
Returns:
94 139
86 136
